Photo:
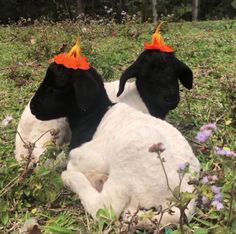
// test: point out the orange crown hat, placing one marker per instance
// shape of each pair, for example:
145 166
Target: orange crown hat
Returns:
74 59
158 42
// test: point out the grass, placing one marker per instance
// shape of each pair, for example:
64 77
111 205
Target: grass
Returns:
207 47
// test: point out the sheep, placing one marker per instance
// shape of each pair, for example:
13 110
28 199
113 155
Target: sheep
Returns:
112 140
155 91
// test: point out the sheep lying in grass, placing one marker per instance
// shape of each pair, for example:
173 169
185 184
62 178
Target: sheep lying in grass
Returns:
156 91
112 140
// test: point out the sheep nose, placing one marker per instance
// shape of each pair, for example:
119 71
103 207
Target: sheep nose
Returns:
172 101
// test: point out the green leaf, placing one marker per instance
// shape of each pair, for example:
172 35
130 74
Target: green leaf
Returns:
59 230
107 214
3 206
169 231
43 172
201 231
188 195
4 218
176 191
206 223
176 232
147 215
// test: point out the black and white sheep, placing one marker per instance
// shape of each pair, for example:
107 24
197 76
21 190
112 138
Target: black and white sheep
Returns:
112 140
155 91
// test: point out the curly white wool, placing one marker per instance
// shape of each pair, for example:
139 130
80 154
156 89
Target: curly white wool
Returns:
119 150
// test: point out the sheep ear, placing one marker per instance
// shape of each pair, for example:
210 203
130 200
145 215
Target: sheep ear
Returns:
87 92
130 72
185 75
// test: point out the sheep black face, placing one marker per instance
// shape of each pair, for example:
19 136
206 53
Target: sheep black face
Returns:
64 91
157 76
53 95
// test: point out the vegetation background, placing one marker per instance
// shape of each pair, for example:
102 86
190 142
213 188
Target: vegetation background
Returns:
112 43
13 10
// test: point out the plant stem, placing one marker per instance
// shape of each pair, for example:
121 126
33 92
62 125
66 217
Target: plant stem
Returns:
231 203
167 180
181 219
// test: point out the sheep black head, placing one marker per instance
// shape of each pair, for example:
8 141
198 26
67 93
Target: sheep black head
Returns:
157 74
71 86
64 91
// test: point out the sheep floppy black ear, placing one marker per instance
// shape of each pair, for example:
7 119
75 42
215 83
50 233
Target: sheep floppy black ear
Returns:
185 75
130 72
88 89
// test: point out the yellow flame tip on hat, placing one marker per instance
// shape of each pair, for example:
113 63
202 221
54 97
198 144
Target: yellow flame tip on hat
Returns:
76 49
158 42
74 59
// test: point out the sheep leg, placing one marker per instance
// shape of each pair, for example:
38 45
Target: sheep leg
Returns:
112 195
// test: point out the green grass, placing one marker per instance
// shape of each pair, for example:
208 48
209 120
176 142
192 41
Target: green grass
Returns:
207 47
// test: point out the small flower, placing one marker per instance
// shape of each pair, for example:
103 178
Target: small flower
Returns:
218 197
224 151
205 200
217 204
123 13
215 189
109 11
214 178
158 148
7 120
209 126
205 132
183 166
205 180
203 136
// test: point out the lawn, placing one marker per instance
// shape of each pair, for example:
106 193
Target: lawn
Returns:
207 47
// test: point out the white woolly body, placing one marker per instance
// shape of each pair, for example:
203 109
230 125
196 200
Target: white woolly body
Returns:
119 150
30 128
130 96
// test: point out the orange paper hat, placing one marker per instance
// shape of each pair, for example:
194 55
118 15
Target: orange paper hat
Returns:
74 59
158 42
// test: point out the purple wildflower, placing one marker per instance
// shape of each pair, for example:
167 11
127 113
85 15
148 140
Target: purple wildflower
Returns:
224 151
218 205
205 180
215 189
203 136
209 126
205 132
218 197
205 200
214 178
183 166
